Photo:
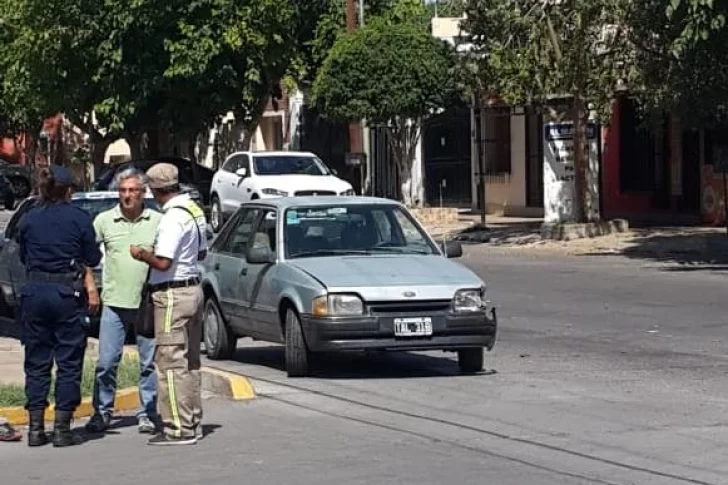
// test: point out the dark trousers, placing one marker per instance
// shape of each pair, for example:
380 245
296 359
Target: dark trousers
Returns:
54 329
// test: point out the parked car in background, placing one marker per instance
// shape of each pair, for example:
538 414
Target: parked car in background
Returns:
12 271
246 176
194 178
338 274
20 176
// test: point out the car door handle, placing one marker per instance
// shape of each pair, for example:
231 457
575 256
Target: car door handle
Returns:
244 272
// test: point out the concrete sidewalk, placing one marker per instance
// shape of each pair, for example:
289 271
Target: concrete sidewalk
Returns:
11 361
688 245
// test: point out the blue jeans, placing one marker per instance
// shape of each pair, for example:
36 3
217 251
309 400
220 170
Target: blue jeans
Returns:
112 334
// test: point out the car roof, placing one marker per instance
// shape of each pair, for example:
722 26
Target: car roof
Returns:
282 203
95 194
273 153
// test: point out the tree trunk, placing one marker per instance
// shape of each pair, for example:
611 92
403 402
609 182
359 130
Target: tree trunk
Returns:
153 141
248 132
100 145
582 195
135 145
404 135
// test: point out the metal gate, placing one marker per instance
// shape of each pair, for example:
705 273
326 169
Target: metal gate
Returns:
446 156
384 179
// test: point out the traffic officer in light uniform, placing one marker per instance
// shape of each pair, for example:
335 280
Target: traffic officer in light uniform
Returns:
58 248
174 283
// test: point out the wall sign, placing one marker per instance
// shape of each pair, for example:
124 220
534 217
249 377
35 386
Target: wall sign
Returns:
559 172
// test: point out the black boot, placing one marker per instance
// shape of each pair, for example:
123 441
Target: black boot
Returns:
62 434
36 428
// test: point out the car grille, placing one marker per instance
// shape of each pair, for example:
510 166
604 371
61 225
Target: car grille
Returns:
420 307
302 193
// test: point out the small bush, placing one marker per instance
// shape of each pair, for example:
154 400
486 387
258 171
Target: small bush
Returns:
127 376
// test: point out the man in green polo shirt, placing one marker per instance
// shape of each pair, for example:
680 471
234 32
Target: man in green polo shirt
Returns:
129 223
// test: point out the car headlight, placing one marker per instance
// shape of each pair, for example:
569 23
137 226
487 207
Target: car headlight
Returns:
276 192
348 192
337 306
468 300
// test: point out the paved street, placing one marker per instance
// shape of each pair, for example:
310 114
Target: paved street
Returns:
607 370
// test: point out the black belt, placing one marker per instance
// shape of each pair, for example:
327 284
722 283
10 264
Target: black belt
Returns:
174 284
64 278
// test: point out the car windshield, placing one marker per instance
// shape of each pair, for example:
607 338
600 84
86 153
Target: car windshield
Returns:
353 229
289 165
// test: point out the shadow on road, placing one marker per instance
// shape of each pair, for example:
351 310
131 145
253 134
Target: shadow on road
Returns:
358 365
683 251
515 233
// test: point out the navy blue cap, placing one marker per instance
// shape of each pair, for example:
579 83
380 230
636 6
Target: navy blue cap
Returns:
61 175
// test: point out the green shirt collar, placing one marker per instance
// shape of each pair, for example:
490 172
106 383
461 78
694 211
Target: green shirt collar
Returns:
118 215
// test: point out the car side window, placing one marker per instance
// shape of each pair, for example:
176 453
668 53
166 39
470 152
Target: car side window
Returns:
244 163
265 232
231 165
237 241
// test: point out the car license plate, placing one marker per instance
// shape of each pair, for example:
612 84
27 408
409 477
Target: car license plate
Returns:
413 327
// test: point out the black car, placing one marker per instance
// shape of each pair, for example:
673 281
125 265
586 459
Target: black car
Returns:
193 177
19 176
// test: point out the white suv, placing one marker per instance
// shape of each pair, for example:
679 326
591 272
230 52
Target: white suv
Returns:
246 176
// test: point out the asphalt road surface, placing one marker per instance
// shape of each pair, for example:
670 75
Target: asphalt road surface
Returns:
607 371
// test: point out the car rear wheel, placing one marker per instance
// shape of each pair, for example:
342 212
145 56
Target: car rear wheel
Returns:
470 360
297 355
219 342
215 214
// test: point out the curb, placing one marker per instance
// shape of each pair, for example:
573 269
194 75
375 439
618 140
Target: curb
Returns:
226 384
220 383
126 400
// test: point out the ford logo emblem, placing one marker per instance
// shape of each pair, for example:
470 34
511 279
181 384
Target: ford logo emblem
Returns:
409 294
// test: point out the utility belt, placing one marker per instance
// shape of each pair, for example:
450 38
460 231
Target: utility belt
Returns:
72 278
174 284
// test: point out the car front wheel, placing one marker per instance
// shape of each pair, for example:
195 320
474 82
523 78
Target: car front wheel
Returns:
297 355
219 342
470 360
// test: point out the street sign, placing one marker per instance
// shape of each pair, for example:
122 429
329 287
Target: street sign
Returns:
559 172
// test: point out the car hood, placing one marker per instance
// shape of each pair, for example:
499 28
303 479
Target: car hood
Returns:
295 183
379 277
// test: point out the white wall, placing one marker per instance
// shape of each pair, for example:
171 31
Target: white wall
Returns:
505 194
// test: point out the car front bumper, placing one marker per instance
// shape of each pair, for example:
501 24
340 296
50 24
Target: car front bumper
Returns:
449 332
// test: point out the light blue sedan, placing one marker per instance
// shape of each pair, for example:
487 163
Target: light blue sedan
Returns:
340 273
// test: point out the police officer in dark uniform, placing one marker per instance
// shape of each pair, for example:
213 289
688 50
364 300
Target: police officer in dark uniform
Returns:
58 248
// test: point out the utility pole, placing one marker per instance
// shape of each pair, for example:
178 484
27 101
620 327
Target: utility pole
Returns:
355 145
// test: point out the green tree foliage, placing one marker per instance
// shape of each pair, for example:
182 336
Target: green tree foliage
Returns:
149 66
681 58
393 75
331 24
528 51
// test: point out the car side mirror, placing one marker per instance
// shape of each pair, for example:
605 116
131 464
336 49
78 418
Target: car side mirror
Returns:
335 172
452 249
242 172
260 255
